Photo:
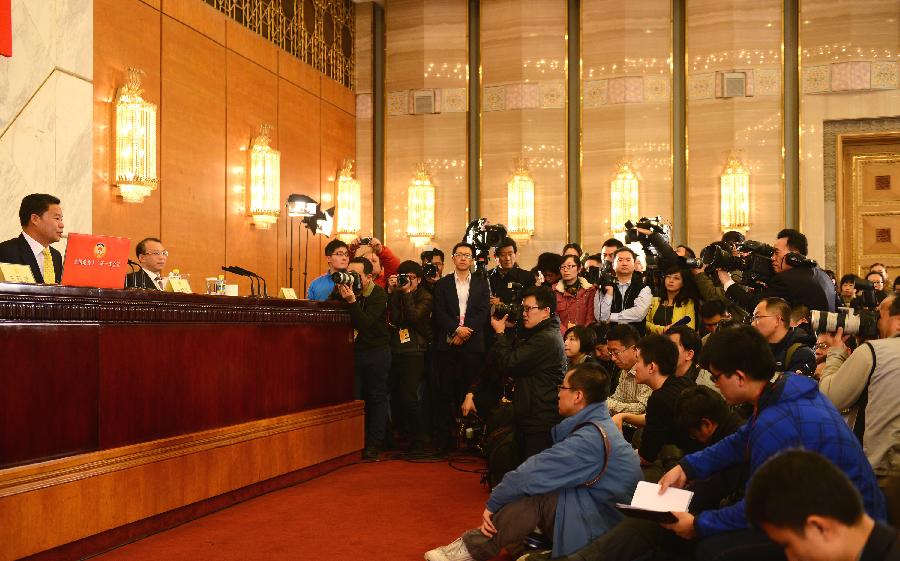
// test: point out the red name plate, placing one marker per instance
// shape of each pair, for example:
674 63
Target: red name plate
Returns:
98 261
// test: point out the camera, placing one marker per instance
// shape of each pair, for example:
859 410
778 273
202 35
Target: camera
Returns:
348 278
483 236
429 270
513 310
469 432
654 224
402 279
601 276
753 259
863 324
798 260
689 262
365 241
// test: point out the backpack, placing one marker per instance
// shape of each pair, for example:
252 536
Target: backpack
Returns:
500 447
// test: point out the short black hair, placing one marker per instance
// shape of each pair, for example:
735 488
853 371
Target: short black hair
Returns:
464 244
876 264
896 282
592 379
689 339
796 484
625 248
575 246
742 348
506 242
601 331
795 240
595 257
778 307
587 339
624 334
367 265
733 237
333 246
697 403
876 273
849 278
574 258
543 297
830 273
141 247
410 267
35 203
613 242
549 262
711 308
661 350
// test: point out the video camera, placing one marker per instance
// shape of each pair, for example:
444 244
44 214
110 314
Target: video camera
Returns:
863 323
752 258
601 276
429 270
483 236
513 310
348 278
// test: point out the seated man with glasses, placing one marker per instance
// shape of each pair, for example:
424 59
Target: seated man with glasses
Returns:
535 361
791 347
461 311
567 491
337 255
788 412
152 256
630 397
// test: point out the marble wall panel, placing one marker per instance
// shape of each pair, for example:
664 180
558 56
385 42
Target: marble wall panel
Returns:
252 99
45 111
721 37
112 58
523 43
627 114
192 162
833 34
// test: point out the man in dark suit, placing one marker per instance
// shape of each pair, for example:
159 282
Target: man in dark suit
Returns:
800 286
152 256
461 311
42 224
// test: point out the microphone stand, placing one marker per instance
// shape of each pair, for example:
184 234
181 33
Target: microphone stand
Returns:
291 257
306 261
132 264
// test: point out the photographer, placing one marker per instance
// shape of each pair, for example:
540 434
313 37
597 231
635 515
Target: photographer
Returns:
432 267
877 281
410 304
867 386
574 295
536 362
791 347
546 272
507 274
371 349
627 301
383 259
608 251
807 285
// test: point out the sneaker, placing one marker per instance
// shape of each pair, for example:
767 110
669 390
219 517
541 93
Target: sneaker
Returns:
455 551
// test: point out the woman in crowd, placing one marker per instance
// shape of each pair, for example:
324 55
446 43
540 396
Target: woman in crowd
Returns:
578 343
574 295
847 290
681 300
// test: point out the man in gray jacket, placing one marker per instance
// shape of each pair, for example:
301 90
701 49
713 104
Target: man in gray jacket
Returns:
867 386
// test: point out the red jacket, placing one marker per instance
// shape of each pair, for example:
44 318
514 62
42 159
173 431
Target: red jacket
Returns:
575 309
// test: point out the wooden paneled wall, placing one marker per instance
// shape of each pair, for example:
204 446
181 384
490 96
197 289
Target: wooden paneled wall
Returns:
215 82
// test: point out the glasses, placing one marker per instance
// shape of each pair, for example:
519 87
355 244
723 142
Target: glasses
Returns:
715 377
527 309
164 252
340 254
757 317
820 346
561 388
619 351
567 267
463 255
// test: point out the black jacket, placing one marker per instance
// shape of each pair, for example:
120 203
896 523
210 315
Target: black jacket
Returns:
368 317
805 286
140 279
411 312
536 362
17 252
500 282
803 359
446 312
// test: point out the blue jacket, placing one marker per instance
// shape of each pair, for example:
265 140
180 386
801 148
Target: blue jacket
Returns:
320 289
791 413
582 513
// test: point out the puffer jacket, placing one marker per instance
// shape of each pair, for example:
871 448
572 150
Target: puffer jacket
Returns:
577 309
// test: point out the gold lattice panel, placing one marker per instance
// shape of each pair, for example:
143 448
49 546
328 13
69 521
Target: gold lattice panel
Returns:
318 32
876 210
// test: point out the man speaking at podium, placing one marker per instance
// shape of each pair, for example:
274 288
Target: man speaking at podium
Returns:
42 224
152 257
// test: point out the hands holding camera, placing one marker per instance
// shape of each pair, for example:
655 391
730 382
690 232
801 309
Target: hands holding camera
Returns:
836 339
374 243
406 284
346 292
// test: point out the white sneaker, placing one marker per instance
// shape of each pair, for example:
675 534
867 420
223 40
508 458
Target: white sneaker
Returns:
455 551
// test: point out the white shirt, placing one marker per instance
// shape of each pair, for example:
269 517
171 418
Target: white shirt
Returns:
155 277
638 312
38 250
462 293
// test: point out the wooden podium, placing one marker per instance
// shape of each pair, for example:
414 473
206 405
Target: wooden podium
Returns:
126 411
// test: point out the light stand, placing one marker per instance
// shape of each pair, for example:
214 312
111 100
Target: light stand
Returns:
303 206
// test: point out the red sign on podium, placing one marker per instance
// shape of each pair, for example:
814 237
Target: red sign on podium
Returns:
96 261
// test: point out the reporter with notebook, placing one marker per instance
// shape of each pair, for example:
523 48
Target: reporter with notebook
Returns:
788 412
42 224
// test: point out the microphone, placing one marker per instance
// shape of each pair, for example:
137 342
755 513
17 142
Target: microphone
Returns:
132 264
261 290
241 272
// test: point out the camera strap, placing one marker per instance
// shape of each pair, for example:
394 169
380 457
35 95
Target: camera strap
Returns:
859 425
606 446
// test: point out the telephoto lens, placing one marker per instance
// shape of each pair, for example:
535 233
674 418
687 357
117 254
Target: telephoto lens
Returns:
429 270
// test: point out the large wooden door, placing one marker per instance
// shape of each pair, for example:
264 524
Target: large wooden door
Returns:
869 203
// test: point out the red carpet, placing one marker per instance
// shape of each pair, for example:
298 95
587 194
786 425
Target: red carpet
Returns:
388 510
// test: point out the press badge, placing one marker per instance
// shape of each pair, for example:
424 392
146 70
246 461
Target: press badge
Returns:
404 335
